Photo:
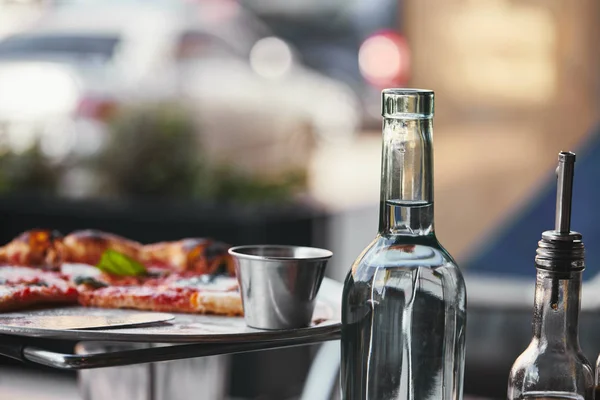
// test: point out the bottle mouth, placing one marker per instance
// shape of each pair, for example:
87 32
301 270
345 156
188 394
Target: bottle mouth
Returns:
407 103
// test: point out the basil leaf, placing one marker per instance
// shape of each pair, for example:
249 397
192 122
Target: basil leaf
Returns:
114 263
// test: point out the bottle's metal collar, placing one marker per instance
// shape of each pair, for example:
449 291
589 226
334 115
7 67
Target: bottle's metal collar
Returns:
560 252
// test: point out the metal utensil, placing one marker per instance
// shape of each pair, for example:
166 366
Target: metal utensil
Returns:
85 321
279 284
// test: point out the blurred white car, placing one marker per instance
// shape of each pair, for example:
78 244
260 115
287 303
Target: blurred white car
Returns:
257 105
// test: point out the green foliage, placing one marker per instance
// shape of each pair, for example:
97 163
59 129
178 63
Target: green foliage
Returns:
231 184
155 151
30 172
152 151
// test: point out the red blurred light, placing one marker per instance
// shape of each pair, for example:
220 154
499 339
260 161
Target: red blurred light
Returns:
384 59
96 108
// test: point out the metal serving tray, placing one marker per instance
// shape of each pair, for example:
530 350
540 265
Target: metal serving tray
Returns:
196 335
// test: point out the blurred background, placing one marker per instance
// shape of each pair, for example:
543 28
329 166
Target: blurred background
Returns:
258 121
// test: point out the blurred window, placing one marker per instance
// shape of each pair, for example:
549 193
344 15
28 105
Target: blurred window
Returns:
102 47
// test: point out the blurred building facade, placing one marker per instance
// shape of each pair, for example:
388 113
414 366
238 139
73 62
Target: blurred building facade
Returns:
515 82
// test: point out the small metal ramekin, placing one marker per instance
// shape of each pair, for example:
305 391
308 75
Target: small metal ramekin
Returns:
279 284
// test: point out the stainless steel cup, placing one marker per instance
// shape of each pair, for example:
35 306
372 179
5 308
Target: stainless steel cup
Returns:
279 284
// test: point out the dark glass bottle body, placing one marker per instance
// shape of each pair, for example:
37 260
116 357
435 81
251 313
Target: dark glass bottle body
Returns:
553 365
404 301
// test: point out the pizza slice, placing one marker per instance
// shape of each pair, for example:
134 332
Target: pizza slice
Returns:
170 295
88 246
99 269
194 255
22 287
35 248
49 249
184 292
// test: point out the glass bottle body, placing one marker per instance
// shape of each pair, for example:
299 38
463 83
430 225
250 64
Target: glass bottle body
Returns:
404 301
404 321
553 365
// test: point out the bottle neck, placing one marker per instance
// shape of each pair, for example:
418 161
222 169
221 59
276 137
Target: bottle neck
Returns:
556 309
406 206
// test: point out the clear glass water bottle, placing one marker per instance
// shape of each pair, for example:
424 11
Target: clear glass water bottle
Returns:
404 301
553 365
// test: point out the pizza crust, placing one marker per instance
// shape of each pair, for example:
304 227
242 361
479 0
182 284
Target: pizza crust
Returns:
221 303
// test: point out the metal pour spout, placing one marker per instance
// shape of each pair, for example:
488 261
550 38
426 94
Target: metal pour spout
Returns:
564 194
562 250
